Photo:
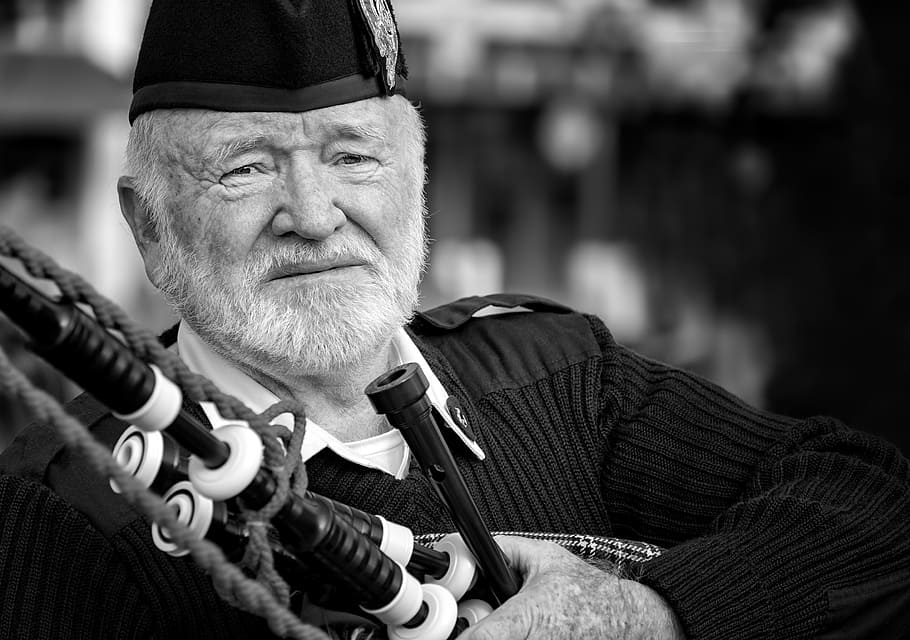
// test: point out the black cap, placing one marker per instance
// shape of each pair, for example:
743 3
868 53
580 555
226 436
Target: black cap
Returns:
266 55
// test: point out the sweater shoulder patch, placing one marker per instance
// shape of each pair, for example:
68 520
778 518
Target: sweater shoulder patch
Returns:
39 454
32 451
491 347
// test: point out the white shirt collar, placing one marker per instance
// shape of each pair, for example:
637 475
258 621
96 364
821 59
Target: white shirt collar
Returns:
201 359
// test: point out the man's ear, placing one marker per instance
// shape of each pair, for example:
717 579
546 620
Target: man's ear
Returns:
138 217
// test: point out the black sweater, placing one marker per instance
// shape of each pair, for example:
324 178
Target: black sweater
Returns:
773 527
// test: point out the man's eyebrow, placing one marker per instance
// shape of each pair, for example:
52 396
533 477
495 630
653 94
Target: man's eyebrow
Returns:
350 131
220 152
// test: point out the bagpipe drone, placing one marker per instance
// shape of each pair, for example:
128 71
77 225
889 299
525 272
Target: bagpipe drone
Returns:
242 487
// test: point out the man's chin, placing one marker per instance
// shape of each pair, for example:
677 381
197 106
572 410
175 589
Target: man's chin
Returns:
304 336
316 355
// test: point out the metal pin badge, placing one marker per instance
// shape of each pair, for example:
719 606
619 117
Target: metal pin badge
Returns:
459 424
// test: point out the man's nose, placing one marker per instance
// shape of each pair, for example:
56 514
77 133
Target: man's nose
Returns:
307 206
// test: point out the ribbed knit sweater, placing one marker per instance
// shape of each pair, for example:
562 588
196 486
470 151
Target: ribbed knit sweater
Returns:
772 527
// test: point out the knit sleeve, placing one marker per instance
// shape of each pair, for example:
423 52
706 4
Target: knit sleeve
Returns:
774 528
59 578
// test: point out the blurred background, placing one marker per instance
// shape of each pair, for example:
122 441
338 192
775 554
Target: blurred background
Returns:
724 181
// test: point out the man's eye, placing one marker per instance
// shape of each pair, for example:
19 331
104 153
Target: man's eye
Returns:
240 171
351 159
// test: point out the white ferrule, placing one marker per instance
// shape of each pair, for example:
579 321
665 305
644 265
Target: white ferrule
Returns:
162 407
139 453
462 566
474 610
236 474
193 510
406 603
441 617
397 541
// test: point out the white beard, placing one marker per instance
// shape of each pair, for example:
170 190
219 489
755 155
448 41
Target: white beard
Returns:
316 328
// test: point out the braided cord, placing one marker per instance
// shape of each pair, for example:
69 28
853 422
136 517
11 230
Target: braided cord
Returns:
267 596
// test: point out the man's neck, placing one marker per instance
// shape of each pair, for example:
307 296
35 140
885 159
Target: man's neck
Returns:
334 400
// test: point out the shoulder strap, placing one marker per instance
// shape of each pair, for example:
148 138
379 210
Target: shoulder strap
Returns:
455 314
33 449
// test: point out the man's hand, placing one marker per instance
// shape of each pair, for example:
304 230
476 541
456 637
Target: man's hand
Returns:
564 597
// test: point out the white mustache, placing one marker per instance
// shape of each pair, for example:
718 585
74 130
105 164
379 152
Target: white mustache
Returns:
321 253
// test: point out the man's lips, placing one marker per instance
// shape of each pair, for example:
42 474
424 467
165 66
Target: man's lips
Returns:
304 269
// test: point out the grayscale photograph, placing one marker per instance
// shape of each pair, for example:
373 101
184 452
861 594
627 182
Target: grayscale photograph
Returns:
438 319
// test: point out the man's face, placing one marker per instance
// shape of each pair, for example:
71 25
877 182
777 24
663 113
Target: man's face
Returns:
294 242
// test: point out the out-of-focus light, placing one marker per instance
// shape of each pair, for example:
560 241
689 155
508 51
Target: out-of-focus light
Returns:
607 279
697 52
460 268
570 134
111 31
802 64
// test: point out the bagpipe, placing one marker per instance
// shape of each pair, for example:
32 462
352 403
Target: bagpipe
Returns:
237 494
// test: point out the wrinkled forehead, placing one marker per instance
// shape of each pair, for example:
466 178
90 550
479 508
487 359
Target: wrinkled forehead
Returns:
194 133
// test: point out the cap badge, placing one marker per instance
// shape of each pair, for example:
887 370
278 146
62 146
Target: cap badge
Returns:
378 17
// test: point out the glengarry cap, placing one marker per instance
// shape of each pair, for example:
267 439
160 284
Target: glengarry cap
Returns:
266 55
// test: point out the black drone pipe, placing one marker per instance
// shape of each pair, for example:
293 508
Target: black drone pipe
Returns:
424 560
401 395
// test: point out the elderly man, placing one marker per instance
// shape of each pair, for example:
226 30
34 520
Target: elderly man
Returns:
276 197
